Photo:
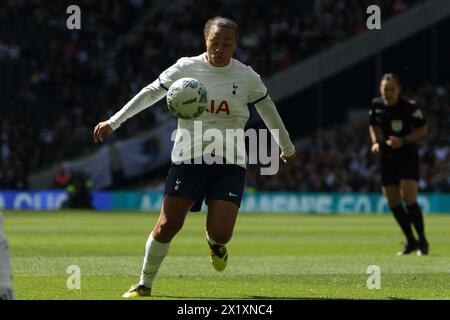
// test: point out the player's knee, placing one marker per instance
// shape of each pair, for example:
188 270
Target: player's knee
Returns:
393 201
168 229
409 196
410 199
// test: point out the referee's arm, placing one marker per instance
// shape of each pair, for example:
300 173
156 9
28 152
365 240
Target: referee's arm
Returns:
373 134
420 126
375 148
417 135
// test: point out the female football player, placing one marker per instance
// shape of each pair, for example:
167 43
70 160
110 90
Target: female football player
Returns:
402 125
231 86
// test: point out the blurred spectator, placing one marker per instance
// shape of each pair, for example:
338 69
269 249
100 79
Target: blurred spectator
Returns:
62 179
79 192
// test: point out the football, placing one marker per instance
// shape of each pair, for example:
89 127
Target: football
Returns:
187 98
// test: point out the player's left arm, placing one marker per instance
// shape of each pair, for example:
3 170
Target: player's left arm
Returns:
419 122
420 132
417 135
269 114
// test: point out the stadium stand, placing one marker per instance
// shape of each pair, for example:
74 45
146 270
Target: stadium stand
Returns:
64 72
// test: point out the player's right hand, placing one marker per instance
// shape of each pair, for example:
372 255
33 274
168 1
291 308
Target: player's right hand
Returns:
101 129
375 148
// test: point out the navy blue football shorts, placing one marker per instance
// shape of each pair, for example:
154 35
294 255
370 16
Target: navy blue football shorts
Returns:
206 182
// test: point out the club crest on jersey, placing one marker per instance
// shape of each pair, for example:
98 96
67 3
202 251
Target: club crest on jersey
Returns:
235 86
397 125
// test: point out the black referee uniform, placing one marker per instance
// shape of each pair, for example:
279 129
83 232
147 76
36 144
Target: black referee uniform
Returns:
398 120
402 163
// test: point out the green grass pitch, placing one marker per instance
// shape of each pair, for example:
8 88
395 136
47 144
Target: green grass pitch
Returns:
271 257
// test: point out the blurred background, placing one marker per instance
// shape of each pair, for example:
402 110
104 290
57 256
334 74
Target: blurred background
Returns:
321 64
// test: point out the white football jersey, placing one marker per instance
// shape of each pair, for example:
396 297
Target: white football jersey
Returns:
230 90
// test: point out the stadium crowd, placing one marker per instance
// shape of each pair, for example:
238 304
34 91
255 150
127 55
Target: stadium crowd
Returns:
57 84
274 35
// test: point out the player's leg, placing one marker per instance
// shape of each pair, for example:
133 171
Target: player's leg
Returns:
220 223
224 195
409 189
185 185
6 291
171 218
409 177
390 169
170 221
394 200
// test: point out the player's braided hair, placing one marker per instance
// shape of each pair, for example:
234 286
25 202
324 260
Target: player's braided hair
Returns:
221 22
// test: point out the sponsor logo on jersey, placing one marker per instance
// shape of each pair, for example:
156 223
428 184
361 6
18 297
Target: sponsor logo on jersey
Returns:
223 107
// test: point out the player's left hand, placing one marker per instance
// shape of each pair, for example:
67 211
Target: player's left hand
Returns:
101 129
287 160
394 142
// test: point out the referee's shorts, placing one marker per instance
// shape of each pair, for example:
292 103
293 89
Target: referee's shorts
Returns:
206 182
399 165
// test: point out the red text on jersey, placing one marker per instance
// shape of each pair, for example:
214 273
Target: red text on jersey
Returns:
223 107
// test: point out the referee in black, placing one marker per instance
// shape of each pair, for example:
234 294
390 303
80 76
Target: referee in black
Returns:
401 124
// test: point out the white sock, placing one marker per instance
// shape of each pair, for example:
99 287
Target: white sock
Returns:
155 252
5 267
211 241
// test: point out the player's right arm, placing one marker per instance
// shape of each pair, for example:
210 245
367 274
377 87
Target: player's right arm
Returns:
375 147
144 99
373 137
147 97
